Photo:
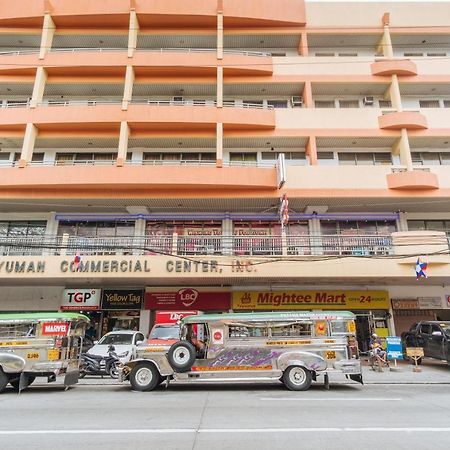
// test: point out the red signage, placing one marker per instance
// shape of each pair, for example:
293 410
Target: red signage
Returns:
55 328
172 316
188 298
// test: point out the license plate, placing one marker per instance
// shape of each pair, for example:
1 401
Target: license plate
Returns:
330 354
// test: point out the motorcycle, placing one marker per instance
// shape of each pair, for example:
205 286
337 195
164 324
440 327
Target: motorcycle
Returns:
100 365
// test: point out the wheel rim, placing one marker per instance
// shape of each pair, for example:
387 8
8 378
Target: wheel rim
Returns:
297 376
180 355
143 376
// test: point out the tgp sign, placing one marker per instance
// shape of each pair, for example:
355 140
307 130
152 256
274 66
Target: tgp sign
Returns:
81 299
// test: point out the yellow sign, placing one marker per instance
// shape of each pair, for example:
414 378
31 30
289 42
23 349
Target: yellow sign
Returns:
323 299
414 352
53 354
32 355
13 343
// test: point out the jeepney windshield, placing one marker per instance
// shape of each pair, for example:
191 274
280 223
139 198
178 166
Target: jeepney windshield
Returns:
17 330
165 332
281 329
339 327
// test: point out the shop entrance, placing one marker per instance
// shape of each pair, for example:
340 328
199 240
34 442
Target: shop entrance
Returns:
369 322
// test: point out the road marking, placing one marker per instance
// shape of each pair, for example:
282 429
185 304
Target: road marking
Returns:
330 399
230 430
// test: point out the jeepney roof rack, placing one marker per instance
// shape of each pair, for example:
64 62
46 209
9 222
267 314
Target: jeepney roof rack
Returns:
269 316
50 316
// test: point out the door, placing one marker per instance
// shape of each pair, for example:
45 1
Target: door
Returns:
423 338
436 342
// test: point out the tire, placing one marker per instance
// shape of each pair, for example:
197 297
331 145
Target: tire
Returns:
15 382
113 371
297 378
4 379
181 356
144 377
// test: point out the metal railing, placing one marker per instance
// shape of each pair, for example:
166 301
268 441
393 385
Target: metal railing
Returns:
198 245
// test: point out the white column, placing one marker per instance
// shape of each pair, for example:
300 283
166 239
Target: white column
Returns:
28 144
219 87
219 145
128 87
39 87
144 322
123 143
133 33
48 31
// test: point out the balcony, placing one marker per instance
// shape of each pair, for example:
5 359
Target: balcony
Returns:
421 179
411 120
267 246
401 67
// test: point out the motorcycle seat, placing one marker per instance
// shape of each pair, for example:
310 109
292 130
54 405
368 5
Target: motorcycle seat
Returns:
97 357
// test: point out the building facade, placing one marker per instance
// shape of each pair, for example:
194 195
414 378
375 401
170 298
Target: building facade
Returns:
224 155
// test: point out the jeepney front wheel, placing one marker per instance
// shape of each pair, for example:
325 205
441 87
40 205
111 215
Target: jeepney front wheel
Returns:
297 378
144 377
4 379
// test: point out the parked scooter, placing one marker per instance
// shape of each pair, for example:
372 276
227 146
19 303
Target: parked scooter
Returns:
100 365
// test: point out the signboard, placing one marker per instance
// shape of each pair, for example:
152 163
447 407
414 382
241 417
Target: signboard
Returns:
405 304
172 316
394 347
81 299
430 302
188 298
55 328
323 299
122 299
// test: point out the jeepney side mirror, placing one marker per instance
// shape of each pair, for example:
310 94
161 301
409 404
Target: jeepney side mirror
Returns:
95 342
139 342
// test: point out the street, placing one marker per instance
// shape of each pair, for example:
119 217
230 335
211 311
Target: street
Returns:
254 416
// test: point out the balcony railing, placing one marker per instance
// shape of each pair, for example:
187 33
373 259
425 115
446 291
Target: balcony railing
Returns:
257 246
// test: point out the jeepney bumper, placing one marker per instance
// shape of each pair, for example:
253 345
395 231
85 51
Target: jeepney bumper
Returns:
348 366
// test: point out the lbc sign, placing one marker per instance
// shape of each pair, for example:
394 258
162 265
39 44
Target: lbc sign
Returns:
81 299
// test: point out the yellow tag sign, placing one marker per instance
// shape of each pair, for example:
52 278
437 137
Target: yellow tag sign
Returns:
33 355
53 354
414 352
301 300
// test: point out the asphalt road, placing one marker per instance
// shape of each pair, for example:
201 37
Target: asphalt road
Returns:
246 416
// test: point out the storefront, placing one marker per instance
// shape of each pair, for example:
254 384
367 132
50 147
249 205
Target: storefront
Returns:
186 300
371 307
121 309
408 311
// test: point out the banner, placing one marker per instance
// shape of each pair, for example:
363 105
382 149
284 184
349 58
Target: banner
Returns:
81 300
323 299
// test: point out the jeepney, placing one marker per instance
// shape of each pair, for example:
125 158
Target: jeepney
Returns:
293 347
40 345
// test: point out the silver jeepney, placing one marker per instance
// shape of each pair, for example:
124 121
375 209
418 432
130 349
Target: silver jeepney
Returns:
40 345
294 347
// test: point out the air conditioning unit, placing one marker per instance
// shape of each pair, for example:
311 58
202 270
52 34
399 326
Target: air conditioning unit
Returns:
178 99
368 101
297 101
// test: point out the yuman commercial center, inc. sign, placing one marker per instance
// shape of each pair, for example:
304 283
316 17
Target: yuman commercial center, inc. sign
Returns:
320 299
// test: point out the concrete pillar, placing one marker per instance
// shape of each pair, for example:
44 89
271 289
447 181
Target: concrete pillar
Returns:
28 145
303 44
144 322
128 87
219 145
133 33
227 237
51 231
402 222
219 87
388 51
139 236
219 34
123 144
405 150
396 98
307 95
311 150
316 236
48 31
39 87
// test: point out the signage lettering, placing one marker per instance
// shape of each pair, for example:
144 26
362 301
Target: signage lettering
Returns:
192 266
81 299
105 266
285 300
22 266
122 298
55 328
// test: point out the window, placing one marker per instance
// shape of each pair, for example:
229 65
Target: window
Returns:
429 103
446 103
357 227
325 158
243 157
290 156
348 103
435 54
292 330
97 229
348 54
430 158
436 225
425 328
277 103
338 327
364 159
322 54
413 54
278 54
17 331
385 103
324 104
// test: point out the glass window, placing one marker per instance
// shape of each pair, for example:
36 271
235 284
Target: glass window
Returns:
425 328
243 157
324 104
292 330
348 103
429 103
364 159
338 327
382 158
347 159
430 158
20 330
277 103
